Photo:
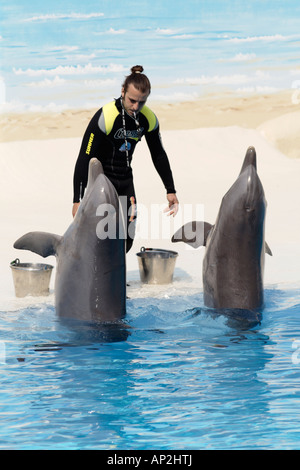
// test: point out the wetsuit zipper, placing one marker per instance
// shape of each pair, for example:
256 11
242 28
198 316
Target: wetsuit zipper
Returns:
112 160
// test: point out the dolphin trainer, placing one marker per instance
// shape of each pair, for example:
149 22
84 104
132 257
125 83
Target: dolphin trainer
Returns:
233 263
90 282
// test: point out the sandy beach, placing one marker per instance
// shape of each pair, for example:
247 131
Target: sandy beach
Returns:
226 109
206 142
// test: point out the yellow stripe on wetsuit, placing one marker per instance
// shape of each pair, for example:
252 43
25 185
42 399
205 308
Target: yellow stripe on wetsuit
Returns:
110 113
150 116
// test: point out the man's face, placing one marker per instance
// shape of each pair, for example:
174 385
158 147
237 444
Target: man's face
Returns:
133 99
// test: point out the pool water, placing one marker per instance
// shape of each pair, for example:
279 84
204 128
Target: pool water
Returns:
171 377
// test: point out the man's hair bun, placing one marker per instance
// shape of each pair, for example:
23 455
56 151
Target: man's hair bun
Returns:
137 69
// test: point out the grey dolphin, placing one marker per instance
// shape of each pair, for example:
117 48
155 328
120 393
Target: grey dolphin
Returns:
233 264
90 281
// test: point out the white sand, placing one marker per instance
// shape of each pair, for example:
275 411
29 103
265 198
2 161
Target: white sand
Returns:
36 194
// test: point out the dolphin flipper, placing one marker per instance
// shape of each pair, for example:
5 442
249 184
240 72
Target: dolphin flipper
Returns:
42 243
193 233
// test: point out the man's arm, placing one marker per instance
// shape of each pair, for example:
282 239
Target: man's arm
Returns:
162 165
90 142
160 159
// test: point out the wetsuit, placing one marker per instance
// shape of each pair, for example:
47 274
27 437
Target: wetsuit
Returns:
105 140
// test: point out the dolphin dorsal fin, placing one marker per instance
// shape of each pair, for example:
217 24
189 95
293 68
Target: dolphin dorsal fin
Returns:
42 243
193 233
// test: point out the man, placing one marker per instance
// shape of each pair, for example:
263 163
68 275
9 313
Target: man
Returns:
112 135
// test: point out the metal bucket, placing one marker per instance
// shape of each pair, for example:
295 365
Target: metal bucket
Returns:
156 266
31 278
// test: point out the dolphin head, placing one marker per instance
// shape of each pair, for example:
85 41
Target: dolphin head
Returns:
100 200
250 159
244 203
98 191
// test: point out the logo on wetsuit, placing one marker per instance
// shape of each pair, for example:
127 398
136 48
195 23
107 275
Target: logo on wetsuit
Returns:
123 147
134 134
89 145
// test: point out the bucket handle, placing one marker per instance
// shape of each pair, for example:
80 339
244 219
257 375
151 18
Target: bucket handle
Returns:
15 262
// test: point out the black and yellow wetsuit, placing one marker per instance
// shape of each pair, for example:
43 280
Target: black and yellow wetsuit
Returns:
105 140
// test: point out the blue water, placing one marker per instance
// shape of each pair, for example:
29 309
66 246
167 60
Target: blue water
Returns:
58 55
176 379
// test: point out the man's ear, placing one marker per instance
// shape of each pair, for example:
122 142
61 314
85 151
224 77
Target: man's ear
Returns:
123 92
